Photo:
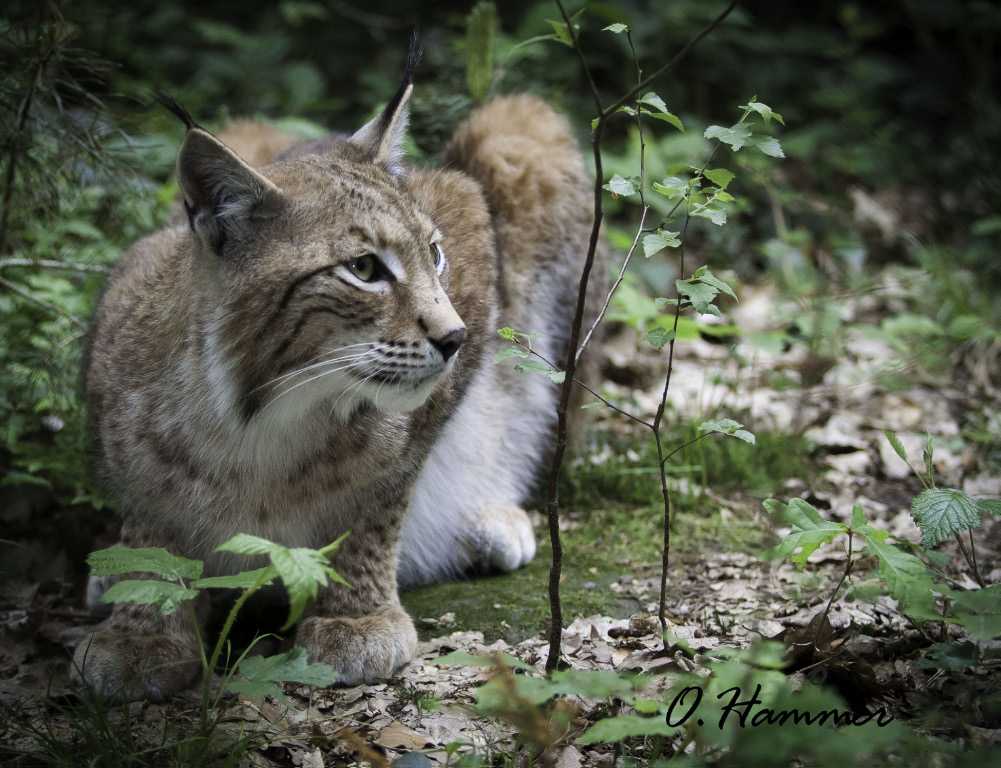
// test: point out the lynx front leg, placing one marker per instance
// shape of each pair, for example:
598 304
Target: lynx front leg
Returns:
139 654
363 632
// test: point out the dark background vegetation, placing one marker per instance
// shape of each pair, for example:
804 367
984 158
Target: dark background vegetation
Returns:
896 100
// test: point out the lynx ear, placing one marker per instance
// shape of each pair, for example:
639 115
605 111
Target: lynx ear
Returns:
381 140
222 194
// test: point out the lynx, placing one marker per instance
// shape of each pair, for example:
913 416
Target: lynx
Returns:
311 352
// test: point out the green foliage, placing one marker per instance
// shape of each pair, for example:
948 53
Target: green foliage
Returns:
908 571
263 673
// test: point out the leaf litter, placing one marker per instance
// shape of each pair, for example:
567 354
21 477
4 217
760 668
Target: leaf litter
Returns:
869 650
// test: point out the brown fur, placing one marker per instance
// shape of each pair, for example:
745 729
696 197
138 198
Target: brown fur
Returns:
210 422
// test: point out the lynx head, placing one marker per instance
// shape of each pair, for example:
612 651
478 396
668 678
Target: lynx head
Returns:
325 285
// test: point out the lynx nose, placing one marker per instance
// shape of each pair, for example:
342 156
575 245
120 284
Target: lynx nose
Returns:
449 344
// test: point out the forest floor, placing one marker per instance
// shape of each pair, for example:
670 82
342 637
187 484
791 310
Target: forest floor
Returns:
720 592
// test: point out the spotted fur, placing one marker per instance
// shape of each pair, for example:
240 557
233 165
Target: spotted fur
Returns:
311 353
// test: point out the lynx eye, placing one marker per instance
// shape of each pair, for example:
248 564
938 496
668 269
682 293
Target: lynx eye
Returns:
437 257
366 267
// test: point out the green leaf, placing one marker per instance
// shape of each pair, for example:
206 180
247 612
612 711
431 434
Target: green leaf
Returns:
658 337
897 446
993 506
263 672
700 294
944 512
481 31
167 596
615 729
767 144
809 530
727 427
657 241
907 577
979 611
662 113
245 544
709 278
537 366
735 136
118 560
588 406
243 580
303 571
618 185
716 215
671 187
465 659
617 29
509 352
764 110
721 177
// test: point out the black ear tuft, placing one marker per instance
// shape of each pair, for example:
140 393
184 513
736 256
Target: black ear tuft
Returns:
169 103
380 141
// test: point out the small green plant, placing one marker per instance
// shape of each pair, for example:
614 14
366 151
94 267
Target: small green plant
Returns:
692 192
302 571
914 575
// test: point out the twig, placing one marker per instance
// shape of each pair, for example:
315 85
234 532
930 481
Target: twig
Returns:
42 303
573 353
618 281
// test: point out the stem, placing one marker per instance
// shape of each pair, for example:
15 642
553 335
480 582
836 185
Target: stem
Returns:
264 578
553 507
618 280
848 570
971 558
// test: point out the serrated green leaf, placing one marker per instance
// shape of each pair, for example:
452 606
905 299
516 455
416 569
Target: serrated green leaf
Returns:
700 294
716 215
257 689
907 577
711 279
507 333
858 517
119 560
897 446
244 580
290 667
167 596
735 136
533 366
303 571
615 729
727 427
993 506
765 111
619 185
943 512
809 530
767 144
979 611
245 544
617 29
667 117
657 241
658 337
721 177
671 187
509 352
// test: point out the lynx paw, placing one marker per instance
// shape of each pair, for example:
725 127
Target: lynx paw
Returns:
361 650
505 540
132 668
